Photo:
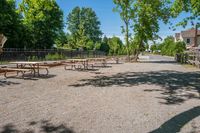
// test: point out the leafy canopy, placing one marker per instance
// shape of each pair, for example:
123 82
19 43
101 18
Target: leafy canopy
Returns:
43 19
83 23
10 23
190 6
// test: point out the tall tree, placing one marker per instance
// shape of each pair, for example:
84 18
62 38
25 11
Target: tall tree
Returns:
146 21
124 7
10 24
84 19
44 20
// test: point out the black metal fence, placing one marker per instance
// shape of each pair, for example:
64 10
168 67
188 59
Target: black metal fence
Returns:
24 55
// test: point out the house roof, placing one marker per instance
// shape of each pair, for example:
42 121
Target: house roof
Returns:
190 33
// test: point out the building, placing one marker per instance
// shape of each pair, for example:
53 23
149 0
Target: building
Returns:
191 37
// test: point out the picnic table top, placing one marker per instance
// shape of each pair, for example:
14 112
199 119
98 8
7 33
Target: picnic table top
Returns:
96 58
77 59
25 62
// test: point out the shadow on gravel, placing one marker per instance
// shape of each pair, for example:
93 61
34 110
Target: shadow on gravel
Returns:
175 124
31 77
160 62
35 127
177 87
4 83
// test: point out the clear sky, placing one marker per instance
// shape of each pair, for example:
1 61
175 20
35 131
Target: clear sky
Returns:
110 21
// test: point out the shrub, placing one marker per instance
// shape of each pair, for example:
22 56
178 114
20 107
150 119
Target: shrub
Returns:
55 56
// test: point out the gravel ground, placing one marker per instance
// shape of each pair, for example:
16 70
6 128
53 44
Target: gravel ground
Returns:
157 96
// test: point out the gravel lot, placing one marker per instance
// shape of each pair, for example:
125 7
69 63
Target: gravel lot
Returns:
157 96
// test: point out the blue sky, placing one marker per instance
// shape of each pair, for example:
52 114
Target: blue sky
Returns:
110 21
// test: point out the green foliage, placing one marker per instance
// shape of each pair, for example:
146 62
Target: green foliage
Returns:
154 48
147 17
33 58
84 26
115 45
90 45
191 6
144 17
55 56
136 47
180 47
104 45
97 46
43 20
146 47
62 39
10 24
124 8
170 48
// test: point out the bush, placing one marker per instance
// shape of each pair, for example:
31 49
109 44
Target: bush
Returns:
55 56
33 58
171 48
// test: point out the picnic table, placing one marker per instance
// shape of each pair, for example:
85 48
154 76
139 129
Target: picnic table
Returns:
102 60
83 62
35 66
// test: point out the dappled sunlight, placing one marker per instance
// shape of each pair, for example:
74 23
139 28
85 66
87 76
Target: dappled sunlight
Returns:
177 86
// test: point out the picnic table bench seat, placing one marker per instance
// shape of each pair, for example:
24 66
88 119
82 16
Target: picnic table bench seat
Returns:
3 66
18 70
40 67
51 63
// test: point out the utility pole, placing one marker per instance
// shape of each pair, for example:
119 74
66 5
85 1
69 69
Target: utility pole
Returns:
196 36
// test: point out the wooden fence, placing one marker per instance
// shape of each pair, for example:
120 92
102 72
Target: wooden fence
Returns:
189 57
24 55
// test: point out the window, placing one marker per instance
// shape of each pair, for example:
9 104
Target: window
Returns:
188 40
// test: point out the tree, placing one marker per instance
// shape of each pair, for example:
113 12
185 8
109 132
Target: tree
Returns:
84 19
191 6
147 47
180 47
147 15
115 45
44 21
124 7
81 37
104 45
10 24
153 48
62 39
170 48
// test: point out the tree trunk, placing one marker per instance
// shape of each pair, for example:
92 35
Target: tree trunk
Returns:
127 41
137 52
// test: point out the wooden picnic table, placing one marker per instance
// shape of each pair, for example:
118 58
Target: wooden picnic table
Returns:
102 60
84 62
96 59
32 65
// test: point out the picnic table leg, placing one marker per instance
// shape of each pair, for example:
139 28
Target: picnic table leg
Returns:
86 64
38 70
